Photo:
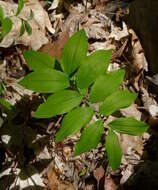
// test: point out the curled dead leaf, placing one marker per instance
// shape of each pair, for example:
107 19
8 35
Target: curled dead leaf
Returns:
54 182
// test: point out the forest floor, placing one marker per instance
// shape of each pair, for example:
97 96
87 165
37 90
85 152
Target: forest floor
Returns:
29 156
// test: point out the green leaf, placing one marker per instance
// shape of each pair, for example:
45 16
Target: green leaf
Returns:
94 65
1 14
106 85
20 6
38 60
90 138
22 28
1 89
74 121
116 101
74 52
6 27
83 91
46 81
58 103
113 150
28 28
31 15
128 126
5 104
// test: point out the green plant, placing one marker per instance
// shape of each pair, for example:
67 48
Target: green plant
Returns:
7 24
80 82
25 26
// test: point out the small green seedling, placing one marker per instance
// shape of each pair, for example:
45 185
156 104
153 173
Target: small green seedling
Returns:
6 23
25 26
80 82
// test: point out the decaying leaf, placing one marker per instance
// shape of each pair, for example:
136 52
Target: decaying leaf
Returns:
55 49
132 111
54 5
117 33
110 184
68 28
139 60
99 174
149 102
54 182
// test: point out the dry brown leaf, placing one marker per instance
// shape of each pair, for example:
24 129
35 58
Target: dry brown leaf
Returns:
149 102
139 60
54 5
102 45
151 106
89 187
131 111
120 51
96 25
126 174
38 24
117 33
54 183
131 144
99 174
16 91
68 28
110 184
55 49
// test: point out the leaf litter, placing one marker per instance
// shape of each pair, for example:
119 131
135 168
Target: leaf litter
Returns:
64 170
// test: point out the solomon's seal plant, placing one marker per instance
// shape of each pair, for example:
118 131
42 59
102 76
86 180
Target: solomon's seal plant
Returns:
75 86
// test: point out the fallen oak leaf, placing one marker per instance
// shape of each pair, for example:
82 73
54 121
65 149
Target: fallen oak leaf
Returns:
55 49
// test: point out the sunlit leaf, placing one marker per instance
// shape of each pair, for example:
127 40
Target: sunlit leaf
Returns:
31 15
1 14
90 138
28 28
116 101
94 65
20 6
129 126
22 28
38 60
74 121
5 104
46 81
74 52
1 89
6 27
105 85
58 103
113 150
